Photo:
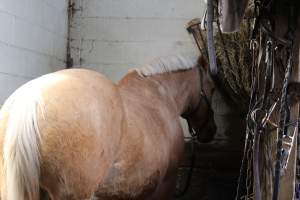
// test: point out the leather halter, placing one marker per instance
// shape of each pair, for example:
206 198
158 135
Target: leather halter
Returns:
194 133
203 96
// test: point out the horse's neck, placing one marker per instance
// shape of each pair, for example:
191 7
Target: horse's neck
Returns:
180 89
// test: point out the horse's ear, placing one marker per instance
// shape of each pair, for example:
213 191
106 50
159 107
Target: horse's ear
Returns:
202 62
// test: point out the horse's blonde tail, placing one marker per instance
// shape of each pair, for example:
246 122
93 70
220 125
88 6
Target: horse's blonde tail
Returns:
21 145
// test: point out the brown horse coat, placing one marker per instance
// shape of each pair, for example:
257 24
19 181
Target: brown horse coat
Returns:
96 139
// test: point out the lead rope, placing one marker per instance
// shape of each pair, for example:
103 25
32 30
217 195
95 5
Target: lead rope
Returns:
178 193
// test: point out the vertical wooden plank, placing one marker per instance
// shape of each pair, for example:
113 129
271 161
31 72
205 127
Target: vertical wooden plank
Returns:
287 189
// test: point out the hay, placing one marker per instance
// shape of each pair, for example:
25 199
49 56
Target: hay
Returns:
235 74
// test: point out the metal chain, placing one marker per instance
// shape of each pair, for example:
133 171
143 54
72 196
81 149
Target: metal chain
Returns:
249 178
284 115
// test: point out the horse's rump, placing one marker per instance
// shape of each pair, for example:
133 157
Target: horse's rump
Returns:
98 138
77 142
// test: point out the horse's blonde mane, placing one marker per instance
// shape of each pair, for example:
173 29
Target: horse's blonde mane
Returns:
168 64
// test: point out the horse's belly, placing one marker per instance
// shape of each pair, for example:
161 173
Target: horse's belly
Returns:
145 176
123 187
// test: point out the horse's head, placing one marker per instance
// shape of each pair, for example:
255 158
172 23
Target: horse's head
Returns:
200 115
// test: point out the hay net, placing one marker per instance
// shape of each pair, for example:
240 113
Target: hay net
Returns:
234 60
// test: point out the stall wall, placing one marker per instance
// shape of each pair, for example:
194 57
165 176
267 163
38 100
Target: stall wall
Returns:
111 36
32 40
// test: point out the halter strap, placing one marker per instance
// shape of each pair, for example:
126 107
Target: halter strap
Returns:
186 116
203 96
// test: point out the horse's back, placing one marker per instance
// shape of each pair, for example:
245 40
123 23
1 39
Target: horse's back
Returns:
77 138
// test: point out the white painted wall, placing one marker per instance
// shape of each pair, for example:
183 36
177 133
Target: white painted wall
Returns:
111 36
32 40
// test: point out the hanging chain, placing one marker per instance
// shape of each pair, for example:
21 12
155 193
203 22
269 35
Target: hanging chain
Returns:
263 103
282 131
249 177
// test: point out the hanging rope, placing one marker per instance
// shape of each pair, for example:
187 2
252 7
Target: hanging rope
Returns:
210 39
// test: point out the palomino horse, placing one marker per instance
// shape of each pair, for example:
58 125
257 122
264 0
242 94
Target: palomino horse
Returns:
77 135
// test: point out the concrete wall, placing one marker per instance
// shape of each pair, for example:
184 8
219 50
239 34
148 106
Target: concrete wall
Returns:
32 40
111 36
